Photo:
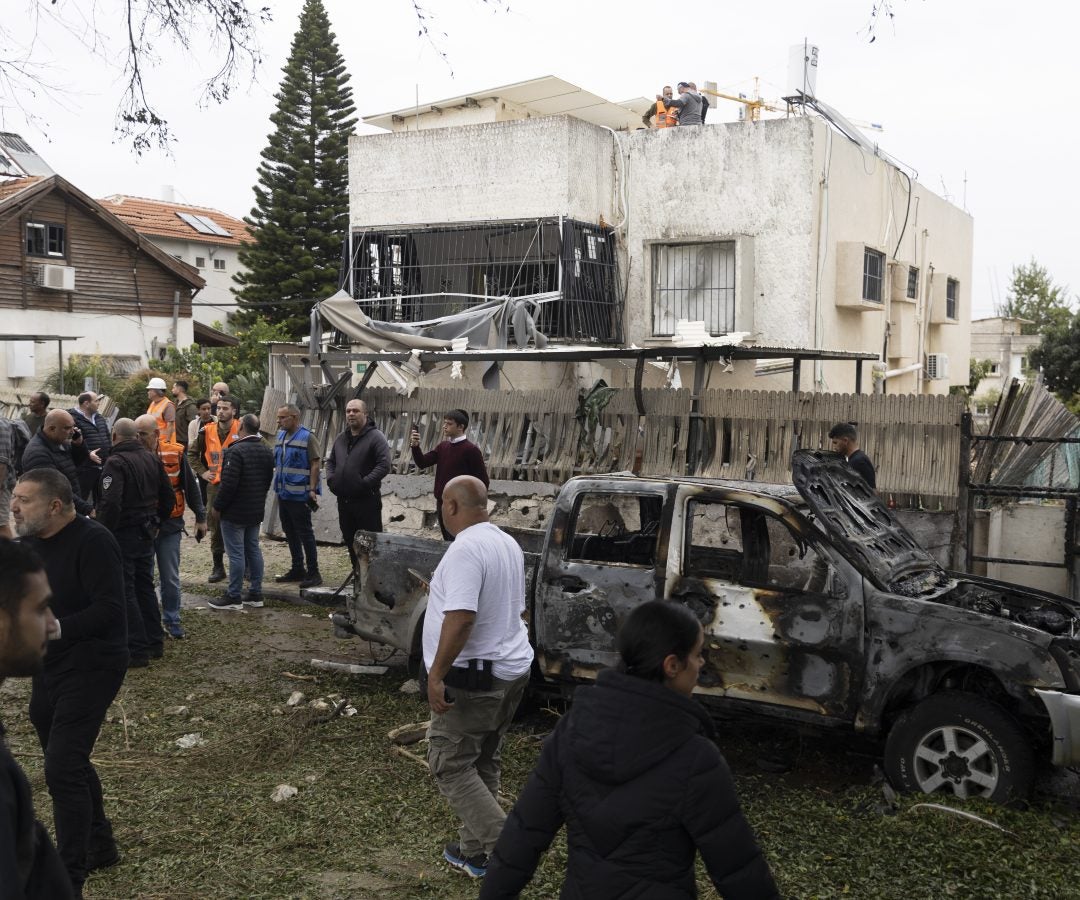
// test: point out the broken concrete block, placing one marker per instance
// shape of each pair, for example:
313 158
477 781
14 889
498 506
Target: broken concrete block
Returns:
412 686
187 741
295 698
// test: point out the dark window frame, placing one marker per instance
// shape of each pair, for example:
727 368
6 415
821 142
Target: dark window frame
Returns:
873 282
952 298
913 283
647 533
46 239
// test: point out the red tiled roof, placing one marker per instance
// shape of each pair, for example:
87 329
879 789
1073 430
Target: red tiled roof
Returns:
160 218
10 187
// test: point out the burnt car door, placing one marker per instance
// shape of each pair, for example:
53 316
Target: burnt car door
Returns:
777 631
603 565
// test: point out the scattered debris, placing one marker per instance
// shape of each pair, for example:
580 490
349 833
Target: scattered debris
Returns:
284 792
295 698
176 710
311 779
409 734
306 616
277 711
413 756
296 677
351 668
412 686
966 815
187 741
349 711
319 704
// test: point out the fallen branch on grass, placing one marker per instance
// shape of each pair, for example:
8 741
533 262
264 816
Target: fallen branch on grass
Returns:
408 734
415 757
351 668
299 677
966 815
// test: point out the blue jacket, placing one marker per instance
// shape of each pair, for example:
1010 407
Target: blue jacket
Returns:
292 467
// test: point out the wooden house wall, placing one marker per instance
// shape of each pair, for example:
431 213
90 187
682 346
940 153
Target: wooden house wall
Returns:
112 276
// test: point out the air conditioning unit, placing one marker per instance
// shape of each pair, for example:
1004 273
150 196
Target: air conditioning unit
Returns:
56 278
937 366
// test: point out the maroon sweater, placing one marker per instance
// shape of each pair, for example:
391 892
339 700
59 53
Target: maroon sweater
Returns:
450 460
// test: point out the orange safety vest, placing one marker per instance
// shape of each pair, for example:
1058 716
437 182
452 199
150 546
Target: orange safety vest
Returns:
666 118
166 430
171 453
215 447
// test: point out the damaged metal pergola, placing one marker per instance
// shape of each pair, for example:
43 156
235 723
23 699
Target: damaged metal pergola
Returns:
701 356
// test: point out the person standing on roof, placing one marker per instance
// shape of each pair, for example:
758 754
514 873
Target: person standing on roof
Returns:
688 104
844 439
665 118
456 455
161 408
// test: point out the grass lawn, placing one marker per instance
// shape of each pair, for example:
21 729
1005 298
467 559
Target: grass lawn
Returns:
368 822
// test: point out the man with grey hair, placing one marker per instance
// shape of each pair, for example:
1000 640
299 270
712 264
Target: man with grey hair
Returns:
240 503
135 498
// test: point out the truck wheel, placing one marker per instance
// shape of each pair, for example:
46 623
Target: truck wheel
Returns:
962 744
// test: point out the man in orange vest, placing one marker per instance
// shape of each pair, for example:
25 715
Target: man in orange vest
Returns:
665 118
185 488
206 456
161 408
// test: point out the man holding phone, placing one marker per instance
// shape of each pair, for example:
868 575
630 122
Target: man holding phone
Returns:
456 455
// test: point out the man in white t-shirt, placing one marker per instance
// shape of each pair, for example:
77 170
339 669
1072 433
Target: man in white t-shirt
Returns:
478 656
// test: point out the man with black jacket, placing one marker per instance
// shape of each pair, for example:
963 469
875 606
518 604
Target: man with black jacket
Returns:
56 446
240 503
358 462
84 664
29 864
95 435
135 498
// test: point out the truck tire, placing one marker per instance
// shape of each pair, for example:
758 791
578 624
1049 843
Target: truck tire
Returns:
962 744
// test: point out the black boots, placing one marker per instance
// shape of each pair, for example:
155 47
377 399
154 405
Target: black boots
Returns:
218 573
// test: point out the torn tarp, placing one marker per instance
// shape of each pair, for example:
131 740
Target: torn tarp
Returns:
488 326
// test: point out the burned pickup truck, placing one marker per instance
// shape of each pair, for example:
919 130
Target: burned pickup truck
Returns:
818 608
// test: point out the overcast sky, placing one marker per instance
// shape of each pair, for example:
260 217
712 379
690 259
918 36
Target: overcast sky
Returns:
975 97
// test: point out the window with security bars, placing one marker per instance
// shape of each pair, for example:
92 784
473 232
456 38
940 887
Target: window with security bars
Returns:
912 283
952 298
421 274
695 282
873 275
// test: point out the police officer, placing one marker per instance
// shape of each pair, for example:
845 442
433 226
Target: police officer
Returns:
135 497
185 488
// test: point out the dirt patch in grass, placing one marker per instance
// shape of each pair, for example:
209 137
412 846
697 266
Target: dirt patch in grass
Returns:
368 822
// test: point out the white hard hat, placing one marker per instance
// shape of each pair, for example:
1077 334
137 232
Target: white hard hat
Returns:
156 384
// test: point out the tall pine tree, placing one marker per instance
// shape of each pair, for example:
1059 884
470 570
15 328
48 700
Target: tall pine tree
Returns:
301 213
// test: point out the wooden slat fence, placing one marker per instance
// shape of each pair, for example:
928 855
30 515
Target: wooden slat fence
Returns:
914 441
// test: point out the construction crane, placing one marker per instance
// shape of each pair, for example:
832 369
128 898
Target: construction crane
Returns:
754 105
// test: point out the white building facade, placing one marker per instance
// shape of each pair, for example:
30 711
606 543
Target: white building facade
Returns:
783 229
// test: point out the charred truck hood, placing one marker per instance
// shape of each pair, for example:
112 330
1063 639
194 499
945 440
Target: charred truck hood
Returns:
854 517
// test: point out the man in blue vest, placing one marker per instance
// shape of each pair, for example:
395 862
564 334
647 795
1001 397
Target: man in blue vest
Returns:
297 458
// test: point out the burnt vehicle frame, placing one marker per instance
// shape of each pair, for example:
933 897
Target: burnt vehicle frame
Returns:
818 608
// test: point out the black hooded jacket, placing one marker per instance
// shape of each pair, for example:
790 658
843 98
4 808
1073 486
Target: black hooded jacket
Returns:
633 773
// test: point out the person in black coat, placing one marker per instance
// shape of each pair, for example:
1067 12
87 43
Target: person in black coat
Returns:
240 502
97 441
633 773
30 867
56 446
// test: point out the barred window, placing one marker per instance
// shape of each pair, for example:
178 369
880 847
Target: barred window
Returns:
695 282
912 283
873 275
952 298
